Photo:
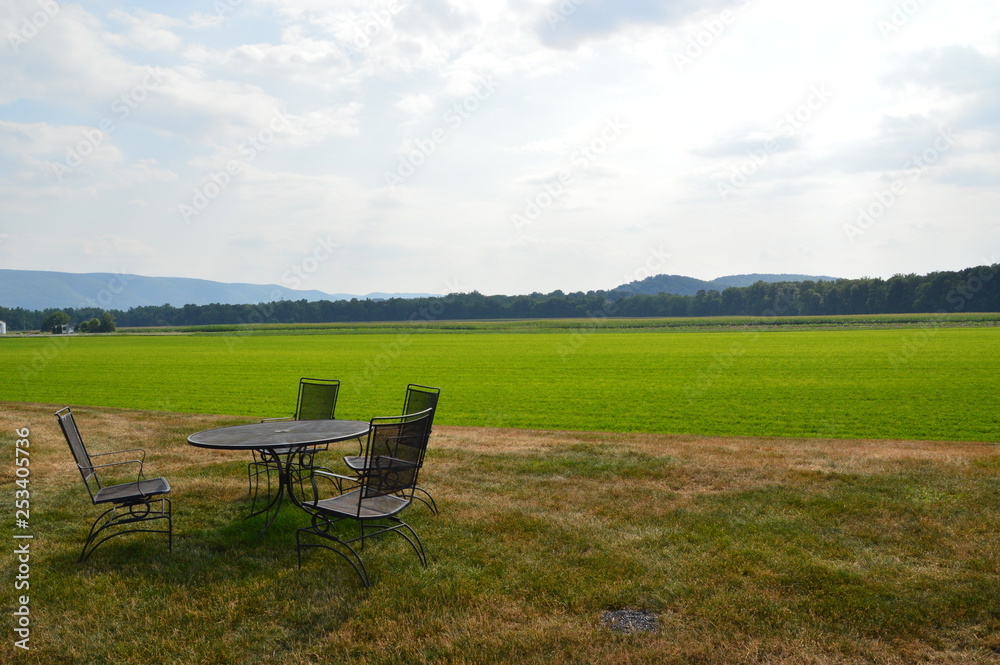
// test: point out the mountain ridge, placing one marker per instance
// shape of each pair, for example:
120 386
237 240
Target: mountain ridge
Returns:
41 289
688 286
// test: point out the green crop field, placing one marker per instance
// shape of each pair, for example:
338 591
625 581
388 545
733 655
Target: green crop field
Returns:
909 383
739 548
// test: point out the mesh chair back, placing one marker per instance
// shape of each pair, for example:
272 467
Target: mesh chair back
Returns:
317 399
395 450
420 398
75 441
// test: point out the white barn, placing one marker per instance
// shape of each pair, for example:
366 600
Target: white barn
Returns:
3 328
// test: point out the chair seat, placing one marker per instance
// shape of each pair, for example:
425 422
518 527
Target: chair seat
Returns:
375 507
132 492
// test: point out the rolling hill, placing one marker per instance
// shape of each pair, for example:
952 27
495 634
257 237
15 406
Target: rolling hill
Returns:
39 290
689 286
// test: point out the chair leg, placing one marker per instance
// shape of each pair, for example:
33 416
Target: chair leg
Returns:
140 512
353 558
351 555
417 546
267 465
429 501
261 469
254 471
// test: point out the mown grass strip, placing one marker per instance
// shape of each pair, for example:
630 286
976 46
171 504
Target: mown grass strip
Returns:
924 383
425 323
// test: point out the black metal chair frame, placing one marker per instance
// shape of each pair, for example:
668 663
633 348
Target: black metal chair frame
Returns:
267 462
133 502
418 398
373 499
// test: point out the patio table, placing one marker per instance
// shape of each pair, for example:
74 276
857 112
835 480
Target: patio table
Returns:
277 440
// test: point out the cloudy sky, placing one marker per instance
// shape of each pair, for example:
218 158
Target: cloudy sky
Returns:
506 146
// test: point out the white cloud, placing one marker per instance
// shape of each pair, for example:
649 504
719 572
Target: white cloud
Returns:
47 153
298 57
567 23
146 30
145 171
110 246
415 105
312 103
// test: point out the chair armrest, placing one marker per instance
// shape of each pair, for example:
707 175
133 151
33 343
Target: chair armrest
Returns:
330 474
334 478
122 452
139 475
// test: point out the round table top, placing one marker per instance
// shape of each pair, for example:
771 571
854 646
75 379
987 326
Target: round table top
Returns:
257 436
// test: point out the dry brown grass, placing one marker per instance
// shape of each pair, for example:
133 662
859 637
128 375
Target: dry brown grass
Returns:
741 547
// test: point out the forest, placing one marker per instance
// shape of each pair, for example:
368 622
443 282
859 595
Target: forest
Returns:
970 290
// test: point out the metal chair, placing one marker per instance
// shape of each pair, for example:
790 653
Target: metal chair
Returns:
317 400
418 398
372 500
133 503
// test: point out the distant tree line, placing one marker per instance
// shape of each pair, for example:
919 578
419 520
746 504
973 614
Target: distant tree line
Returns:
971 290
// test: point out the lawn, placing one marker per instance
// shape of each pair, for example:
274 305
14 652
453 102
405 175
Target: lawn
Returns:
927 382
781 496
741 549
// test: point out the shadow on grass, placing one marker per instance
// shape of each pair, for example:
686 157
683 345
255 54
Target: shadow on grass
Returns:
225 588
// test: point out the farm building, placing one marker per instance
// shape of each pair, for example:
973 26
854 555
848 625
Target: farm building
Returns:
3 328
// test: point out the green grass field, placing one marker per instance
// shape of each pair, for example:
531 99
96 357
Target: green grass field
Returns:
744 549
926 382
